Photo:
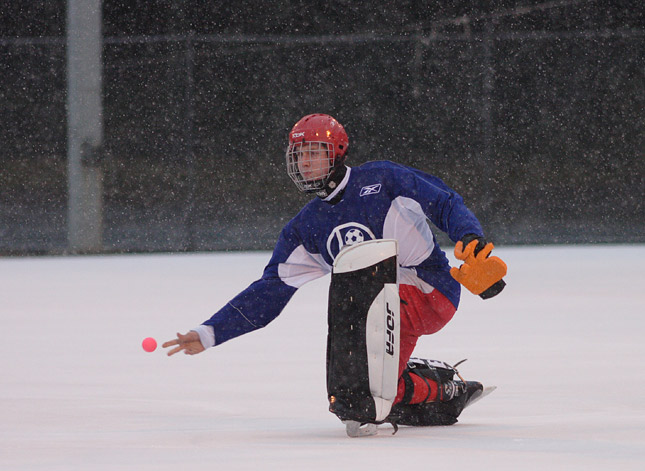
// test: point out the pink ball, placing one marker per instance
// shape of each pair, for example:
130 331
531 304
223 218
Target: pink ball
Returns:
149 344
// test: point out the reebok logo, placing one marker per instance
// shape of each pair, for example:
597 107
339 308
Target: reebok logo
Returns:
370 189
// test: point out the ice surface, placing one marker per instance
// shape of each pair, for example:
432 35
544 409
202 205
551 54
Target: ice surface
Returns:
563 343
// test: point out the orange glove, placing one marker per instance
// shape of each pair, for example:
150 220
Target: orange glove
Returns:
480 274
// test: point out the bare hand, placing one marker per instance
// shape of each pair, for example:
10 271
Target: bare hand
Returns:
189 343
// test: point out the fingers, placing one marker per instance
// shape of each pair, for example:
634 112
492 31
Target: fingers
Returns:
170 343
470 248
175 350
189 344
463 253
483 253
459 251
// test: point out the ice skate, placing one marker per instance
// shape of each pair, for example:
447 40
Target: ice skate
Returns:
451 398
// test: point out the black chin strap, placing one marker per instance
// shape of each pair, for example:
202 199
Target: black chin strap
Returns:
335 179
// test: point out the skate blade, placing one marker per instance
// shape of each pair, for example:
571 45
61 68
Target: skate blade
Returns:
355 429
485 392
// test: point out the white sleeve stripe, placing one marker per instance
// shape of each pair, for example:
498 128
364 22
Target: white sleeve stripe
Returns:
241 314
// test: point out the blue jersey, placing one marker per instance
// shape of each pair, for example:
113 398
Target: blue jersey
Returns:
380 200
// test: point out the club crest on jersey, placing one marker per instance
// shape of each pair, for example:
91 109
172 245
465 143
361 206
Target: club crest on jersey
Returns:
345 235
370 189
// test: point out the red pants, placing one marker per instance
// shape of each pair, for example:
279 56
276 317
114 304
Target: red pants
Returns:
421 314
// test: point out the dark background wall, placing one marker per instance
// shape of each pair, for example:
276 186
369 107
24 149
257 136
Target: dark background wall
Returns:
534 111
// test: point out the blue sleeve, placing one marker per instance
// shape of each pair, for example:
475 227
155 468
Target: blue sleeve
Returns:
258 304
252 309
441 204
290 267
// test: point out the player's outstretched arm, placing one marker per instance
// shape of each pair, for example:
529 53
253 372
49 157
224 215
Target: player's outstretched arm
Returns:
189 343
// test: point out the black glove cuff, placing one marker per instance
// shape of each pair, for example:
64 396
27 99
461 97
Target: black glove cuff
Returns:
493 290
481 242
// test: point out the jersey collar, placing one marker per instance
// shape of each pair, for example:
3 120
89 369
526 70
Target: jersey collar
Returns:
332 198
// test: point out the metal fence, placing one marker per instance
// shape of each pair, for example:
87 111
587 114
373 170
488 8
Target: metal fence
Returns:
542 132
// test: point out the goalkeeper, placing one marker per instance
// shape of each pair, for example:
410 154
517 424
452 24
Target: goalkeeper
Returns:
376 200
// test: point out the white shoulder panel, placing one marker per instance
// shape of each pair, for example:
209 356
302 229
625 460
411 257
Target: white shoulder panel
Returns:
302 267
406 222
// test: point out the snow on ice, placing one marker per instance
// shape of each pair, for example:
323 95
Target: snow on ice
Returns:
563 344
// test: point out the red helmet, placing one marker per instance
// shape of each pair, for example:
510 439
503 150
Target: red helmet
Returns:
317 146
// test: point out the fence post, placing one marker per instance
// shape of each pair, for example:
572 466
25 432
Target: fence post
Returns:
189 145
84 126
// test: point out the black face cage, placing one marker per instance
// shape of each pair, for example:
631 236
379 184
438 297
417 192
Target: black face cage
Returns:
310 164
